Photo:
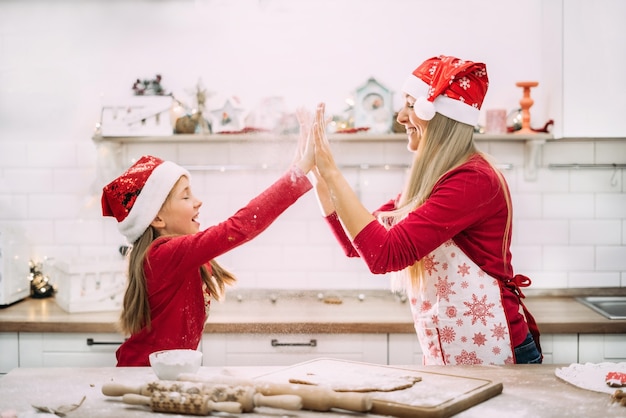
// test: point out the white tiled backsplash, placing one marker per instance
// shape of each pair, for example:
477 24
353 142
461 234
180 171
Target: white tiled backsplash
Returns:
569 228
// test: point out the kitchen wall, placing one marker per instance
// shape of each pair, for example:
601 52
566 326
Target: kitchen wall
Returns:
59 61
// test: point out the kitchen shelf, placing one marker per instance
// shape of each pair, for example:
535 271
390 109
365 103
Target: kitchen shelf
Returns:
268 137
532 142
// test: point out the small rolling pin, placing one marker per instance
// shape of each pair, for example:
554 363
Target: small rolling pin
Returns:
182 403
244 395
315 398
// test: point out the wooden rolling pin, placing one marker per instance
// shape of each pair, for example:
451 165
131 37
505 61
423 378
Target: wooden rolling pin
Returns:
315 398
182 403
245 395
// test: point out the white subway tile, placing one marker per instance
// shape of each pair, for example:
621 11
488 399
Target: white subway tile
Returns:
593 279
134 151
12 154
307 258
282 230
610 152
547 279
595 180
54 206
37 232
527 205
342 263
77 232
22 180
56 251
369 281
203 154
526 257
610 206
74 180
568 258
14 207
87 153
46 154
547 181
611 258
507 152
397 154
319 233
537 232
568 205
252 257
562 152
595 232
333 280
278 279
357 153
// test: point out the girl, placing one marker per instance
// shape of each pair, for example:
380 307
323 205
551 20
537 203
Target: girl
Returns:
447 235
172 269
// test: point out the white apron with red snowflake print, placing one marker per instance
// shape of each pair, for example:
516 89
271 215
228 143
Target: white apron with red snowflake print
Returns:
458 313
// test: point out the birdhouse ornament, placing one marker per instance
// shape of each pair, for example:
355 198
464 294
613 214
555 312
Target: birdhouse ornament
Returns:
450 86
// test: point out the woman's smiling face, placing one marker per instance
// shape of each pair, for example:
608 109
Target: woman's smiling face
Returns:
413 125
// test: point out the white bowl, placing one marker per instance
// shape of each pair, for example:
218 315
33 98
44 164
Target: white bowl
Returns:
168 364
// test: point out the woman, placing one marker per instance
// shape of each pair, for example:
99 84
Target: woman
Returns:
447 235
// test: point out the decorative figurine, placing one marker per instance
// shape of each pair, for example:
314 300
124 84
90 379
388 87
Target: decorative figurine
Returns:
526 102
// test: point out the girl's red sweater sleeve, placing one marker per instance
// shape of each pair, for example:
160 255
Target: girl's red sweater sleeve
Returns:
247 223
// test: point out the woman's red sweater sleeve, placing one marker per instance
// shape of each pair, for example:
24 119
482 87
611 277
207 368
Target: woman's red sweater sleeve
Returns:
467 205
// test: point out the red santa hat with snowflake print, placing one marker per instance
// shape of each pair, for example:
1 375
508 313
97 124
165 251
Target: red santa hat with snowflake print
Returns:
136 196
450 86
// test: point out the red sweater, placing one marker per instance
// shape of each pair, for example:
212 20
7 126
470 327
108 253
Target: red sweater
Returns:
172 268
466 205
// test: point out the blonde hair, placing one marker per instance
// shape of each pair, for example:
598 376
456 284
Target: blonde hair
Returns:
136 307
445 145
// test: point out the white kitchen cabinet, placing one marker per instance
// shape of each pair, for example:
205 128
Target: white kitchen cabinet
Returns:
594 37
288 349
9 351
404 349
598 348
559 348
54 349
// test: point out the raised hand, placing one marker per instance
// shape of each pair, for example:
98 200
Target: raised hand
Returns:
305 154
324 160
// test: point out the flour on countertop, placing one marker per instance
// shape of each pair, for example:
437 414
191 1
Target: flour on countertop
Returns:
590 376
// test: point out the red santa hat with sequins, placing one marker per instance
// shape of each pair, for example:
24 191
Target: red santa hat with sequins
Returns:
450 86
136 196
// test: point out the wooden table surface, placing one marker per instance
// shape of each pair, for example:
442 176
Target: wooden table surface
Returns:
379 312
528 391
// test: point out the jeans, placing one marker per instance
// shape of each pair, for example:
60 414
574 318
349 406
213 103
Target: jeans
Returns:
527 352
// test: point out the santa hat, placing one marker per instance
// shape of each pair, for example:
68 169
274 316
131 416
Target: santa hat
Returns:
450 86
135 197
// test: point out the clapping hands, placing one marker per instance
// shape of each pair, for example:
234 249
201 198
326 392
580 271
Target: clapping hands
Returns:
313 146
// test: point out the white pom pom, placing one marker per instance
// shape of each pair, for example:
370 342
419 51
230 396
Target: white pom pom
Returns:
424 109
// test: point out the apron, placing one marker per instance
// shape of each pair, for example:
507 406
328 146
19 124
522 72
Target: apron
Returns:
458 312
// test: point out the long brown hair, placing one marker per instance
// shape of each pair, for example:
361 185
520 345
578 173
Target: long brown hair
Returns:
136 308
445 145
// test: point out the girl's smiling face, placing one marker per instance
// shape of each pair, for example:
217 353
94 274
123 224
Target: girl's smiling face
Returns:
414 126
179 213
